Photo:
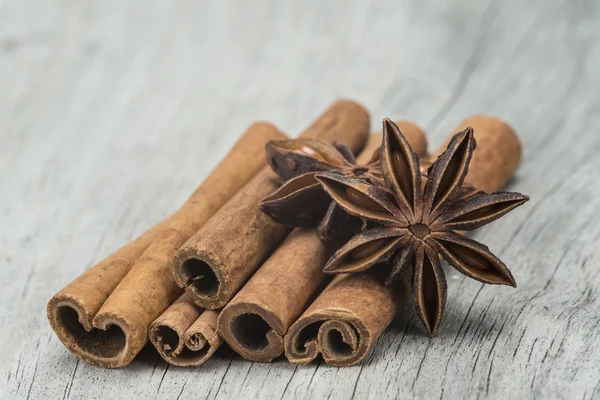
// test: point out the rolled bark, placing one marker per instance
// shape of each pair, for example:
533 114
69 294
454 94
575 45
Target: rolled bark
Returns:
103 315
258 317
344 322
347 319
216 261
255 322
185 335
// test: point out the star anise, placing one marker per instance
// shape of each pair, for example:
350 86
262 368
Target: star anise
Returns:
416 221
301 201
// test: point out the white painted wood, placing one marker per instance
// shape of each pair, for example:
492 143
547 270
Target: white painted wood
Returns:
111 112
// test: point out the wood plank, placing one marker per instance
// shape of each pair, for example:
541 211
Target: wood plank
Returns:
112 112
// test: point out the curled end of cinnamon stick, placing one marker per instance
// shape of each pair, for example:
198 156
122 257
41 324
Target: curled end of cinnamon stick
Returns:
196 272
344 322
341 338
253 332
182 345
106 343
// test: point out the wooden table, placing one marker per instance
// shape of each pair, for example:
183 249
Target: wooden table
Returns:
112 112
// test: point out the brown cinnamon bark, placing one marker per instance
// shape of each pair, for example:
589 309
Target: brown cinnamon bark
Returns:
215 262
103 315
258 317
347 319
185 335
344 322
256 320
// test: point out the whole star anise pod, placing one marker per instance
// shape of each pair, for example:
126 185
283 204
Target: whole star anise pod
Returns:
301 200
416 221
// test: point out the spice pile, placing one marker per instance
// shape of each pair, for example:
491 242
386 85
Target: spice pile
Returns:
311 254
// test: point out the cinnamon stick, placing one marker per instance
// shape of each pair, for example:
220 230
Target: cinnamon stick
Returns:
103 315
215 262
346 320
256 320
185 335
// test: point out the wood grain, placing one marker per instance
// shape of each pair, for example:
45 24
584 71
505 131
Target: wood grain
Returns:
112 112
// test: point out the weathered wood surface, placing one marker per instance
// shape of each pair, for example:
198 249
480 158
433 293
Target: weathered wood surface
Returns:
111 112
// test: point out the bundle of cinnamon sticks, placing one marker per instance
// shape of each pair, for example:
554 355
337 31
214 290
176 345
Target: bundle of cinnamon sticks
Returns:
219 270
